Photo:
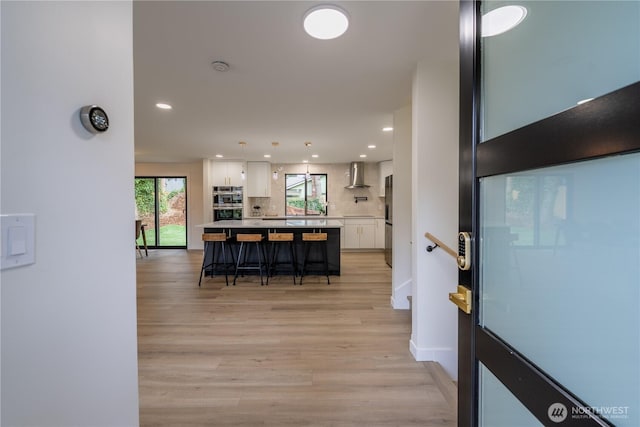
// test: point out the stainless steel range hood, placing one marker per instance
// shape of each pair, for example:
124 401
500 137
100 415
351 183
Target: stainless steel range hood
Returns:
356 175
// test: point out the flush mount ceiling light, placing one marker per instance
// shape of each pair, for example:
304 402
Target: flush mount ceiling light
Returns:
326 22
502 19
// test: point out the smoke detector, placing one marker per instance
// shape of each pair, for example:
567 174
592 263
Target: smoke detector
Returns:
220 66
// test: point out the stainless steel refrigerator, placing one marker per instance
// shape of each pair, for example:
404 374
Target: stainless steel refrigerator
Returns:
388 219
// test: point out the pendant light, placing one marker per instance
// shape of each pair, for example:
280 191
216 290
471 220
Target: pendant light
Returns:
242 144
275 172
307 175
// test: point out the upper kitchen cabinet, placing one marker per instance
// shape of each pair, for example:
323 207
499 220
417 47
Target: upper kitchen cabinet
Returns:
227 173
386 169
258 179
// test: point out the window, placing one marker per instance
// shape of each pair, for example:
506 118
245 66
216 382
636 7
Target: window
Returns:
306 194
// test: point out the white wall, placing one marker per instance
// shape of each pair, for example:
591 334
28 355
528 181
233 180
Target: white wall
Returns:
69 349
402 245
193 172
435 209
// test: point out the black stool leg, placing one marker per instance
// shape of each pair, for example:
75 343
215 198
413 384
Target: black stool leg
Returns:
294 269
260 254
224 260
271 260
238 262
326 262
305 259
204 261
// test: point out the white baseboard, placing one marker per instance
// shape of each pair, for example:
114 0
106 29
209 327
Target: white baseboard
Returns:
400 305
446 357
399 300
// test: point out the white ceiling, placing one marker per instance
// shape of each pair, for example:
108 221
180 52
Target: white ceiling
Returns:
282 85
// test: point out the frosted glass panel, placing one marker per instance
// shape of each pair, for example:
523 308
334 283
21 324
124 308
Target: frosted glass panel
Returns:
498 407
560 275
563 52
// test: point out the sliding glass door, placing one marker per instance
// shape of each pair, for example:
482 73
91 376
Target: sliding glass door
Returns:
161 204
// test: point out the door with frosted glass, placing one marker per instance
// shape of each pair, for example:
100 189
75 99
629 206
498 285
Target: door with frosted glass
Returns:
551 193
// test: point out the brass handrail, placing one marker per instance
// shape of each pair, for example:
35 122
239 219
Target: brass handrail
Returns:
439 243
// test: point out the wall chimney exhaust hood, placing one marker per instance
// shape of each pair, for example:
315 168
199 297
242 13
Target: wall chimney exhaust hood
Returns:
356 175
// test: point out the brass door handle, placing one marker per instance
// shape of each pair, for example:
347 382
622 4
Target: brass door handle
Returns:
462 299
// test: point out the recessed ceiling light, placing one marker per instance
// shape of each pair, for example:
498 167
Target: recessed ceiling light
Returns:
371 146
305 161
387 129
267 156
363 155
502 19
326 22
219 156
163 106
315 156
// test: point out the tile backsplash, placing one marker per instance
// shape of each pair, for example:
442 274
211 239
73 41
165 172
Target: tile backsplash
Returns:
341 200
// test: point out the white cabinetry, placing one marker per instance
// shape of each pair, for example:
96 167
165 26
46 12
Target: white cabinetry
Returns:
385 169
258 179
227 173
379 233
359 233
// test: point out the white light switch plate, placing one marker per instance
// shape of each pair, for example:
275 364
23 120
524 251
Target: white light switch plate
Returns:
18 240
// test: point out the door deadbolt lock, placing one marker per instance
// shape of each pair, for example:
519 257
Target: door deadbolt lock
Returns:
464 251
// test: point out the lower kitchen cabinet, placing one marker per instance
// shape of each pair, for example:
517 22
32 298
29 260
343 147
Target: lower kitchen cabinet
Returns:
379 233
359 233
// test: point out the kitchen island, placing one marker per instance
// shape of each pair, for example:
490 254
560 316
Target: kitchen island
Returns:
290 225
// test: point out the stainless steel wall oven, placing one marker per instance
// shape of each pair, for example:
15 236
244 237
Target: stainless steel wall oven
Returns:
227 203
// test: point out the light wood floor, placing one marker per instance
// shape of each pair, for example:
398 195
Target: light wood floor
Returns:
311 355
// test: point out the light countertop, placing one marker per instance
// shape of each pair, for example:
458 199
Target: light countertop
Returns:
274 223
339 217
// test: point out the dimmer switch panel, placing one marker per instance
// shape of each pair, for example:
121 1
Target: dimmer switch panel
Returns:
18 240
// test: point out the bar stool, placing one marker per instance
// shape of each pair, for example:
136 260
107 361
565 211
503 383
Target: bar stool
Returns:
211 241
277 240
241 263
315 239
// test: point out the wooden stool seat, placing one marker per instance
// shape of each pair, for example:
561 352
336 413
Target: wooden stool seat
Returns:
280 237
214 237
314 237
